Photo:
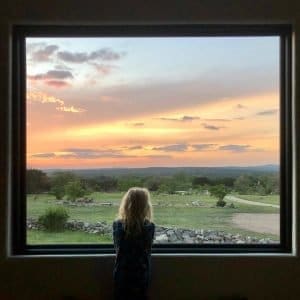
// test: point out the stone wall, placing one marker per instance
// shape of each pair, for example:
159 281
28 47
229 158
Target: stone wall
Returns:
164 235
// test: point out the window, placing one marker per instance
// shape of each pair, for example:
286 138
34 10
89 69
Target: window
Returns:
200 115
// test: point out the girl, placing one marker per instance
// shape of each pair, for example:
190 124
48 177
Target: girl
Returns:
133 234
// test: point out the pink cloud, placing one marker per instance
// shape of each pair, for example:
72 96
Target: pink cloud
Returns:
57 83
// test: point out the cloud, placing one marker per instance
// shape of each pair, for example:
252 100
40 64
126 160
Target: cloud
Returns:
54 78
218 120
172 148
235 148
44 155
40 97
211 127
200 147
104 54
240 106
43 54
134 147
156 156
103 69
268 112
138 124
91 153
63 67
52 74
57 83
35 96
71 109
182 119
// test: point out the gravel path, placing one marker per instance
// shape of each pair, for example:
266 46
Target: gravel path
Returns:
236 199
262 223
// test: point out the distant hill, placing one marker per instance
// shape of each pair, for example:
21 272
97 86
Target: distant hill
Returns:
212 172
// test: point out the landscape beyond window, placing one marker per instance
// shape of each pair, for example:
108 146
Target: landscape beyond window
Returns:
193 119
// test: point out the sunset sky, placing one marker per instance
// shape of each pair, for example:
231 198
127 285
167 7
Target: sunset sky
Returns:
141 102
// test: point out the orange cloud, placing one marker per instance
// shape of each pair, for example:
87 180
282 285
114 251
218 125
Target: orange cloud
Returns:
40 97
70 109
57 83
35 96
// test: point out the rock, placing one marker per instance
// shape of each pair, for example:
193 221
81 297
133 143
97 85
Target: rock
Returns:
162 238
163 234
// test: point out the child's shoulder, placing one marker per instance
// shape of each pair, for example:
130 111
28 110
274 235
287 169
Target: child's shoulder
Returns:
149 224
117 223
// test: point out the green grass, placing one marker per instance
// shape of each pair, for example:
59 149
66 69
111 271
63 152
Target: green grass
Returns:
270 199
169 210
35 237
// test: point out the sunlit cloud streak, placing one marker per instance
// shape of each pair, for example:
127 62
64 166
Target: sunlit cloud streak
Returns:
40 97
71 109
201 147
182 119
82 153
44 155
172 148
268 112
137 147
211 127
57 83
235 148
217 120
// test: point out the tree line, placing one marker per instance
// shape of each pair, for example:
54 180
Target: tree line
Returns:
68 184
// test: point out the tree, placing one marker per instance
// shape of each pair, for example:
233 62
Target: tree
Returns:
200 180
126 182
58 182
219 191
245 184
36 181
152 183
74 190
269 184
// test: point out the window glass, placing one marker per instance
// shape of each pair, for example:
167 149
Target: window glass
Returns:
193 119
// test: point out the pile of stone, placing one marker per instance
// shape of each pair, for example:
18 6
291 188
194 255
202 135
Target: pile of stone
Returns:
165 235
84 200
94 228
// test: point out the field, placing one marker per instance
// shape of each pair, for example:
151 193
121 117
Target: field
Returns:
270 199
196 211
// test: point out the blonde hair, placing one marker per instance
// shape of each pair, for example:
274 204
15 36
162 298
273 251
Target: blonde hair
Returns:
135 209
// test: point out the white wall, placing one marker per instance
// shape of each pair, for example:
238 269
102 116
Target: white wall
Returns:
173 277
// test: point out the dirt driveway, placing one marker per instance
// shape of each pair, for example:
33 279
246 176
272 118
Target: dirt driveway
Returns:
262 223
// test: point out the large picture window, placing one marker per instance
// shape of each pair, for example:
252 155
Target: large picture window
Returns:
199 115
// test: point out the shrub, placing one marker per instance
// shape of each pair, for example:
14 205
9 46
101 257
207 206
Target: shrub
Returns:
74 190
220 203
54 219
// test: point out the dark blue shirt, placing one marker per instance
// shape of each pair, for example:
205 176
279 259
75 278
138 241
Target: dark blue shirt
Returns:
133 254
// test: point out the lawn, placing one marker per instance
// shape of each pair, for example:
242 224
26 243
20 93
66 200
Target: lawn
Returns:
182 211
270 199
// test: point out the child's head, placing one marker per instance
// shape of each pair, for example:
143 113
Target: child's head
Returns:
134 209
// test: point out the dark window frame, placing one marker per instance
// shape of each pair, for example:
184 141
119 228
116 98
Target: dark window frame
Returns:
18 125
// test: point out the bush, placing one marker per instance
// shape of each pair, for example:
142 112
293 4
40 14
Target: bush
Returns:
54 219
220 203
74 190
